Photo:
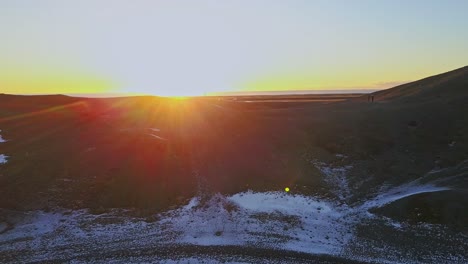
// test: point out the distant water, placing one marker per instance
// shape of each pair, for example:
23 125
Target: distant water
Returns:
305 92
230 93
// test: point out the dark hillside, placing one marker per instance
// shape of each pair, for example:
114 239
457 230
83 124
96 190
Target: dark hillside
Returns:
439 87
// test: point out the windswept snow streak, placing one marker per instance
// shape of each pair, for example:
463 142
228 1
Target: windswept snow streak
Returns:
400 192
150 131
335 177
156 136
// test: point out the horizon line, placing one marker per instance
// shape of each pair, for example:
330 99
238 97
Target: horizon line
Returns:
227 93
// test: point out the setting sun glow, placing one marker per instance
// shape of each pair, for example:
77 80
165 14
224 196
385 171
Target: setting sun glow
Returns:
188 48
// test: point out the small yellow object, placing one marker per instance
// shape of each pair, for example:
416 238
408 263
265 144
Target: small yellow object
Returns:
286 189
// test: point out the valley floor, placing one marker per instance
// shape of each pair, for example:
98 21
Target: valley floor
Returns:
246 227
270 227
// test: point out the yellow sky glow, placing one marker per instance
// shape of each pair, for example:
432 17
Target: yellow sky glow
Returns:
51 81
185 48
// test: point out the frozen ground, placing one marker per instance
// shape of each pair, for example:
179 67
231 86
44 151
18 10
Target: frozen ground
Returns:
291 222
3 157
272 219
399 192
262 221
1 138
335 177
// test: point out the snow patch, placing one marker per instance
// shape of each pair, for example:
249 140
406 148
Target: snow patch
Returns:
271 219
3 158
279 201
335 177
1 139
32 227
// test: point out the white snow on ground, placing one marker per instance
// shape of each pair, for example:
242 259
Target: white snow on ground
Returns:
136 129
399 192
335 177
271 219
1 139
40 230
3 157
39 223
287 221
156 136
199 223
195 261
323 226
153 132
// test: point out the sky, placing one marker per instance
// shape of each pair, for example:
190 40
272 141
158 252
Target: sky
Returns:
183 48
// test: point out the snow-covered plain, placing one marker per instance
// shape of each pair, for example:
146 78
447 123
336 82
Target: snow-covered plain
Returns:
274 220
288 222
